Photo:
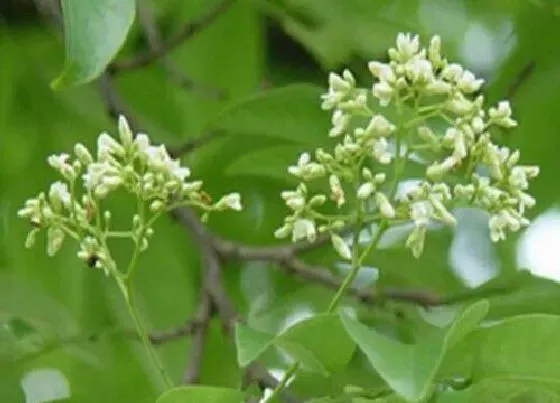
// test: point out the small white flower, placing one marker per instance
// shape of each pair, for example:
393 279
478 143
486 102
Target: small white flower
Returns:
441 212
382 71
502 115
59 195
83 154
340 122
434 51
460 105
421 212
464 191
468 83
306 169
380 126
294 200
407 47
381 151
176 170
32 209
385 206
97 173
452 72
55 238
415 240
31 238
230 201
107 146
365 190
59 163
304 229
337 193
420 71
477 124
124 131
341 247
283 231
339 84
384 92
142 143
437 87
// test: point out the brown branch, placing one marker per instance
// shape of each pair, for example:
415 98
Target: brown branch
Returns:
165 336
174 73
192 370
521 78
285 258
113 102
191 144
187 32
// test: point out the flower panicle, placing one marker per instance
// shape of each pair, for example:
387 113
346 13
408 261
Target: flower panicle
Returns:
463 165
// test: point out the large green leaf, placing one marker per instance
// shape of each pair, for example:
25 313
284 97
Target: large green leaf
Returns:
409 369
290 113
522 350
321 339
202 394
319 354
269 162
38 309
250 343
94 31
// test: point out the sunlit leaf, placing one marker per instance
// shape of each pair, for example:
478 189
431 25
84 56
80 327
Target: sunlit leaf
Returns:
94 31
409 369
290 113
250 343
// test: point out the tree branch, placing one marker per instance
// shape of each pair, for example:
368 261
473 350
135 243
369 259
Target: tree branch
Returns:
188 31
174 73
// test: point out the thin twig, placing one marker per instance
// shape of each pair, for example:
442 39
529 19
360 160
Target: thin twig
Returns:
194 143
192 370
521 78
113 102
285 258
165 336
188 31
174 73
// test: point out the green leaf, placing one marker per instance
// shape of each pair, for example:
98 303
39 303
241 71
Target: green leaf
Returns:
38 309
409 369
250 343
290 113
321 339
270 162
202 394
94 31
522 350
319 354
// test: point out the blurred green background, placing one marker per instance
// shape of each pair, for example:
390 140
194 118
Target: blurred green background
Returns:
255 46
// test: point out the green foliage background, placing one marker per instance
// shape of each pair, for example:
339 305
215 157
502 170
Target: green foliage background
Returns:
50 306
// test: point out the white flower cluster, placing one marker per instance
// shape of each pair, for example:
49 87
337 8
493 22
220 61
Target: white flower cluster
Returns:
441 120
73 206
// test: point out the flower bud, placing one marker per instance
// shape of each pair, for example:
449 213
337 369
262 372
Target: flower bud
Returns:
365 190
83 154
385 206
341 247
55 237
125 133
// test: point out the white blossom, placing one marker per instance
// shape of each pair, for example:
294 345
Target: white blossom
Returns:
59 195
341 247
231 201
304 229
381 151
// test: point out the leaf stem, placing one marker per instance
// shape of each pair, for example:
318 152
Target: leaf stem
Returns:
152 355
283 382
